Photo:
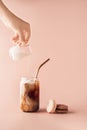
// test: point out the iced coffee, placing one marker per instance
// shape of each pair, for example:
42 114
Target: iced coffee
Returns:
29 95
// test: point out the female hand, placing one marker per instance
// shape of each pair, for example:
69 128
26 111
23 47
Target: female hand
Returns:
20 28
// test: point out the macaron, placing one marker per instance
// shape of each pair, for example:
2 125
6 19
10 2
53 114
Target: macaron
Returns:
61 108
51 106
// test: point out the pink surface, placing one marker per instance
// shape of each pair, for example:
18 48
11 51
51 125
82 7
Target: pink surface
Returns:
59 32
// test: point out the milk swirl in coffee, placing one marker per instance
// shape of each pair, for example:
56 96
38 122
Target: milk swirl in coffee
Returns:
29 95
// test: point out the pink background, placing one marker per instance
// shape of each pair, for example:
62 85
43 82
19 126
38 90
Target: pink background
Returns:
59 32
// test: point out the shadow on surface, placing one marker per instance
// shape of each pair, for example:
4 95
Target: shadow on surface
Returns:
42 110
72 112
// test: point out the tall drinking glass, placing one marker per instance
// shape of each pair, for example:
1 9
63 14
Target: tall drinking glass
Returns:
29 95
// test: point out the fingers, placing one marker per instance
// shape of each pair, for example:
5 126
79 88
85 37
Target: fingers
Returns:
21 38
22 35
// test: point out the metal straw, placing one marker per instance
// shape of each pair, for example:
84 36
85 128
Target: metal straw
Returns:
41 66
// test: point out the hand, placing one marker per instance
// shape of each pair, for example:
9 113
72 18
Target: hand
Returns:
21 30
17 25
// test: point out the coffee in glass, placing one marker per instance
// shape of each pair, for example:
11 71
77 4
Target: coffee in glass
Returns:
29 95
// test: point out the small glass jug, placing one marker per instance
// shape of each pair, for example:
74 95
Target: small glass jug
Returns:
17 52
